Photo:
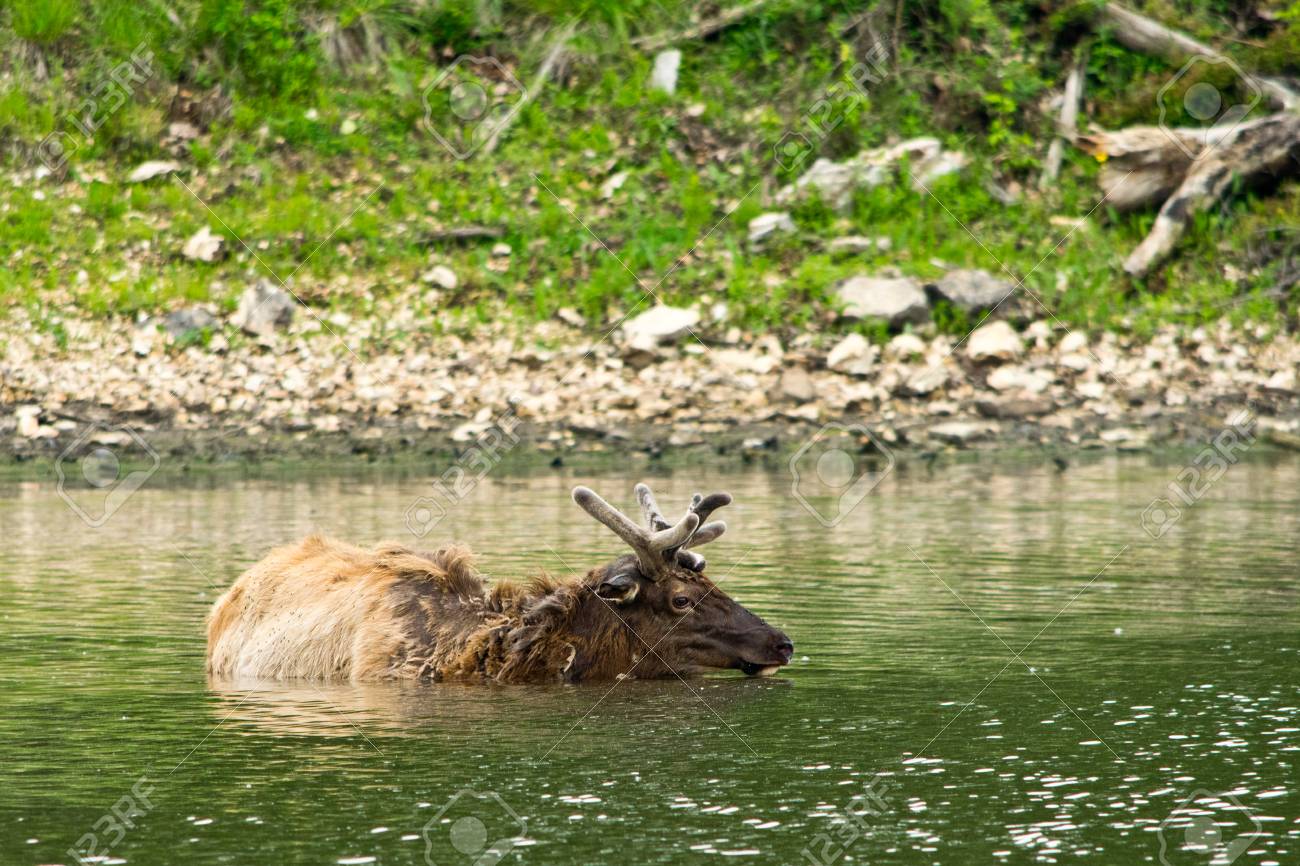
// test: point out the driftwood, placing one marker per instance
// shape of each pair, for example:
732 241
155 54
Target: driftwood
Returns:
1141 33
1067 128
1186 170
1268 146
707 27
1147 164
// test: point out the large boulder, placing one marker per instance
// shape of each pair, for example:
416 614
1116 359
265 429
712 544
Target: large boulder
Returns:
897 300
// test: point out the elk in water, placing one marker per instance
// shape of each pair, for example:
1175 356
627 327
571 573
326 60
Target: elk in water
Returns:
321 609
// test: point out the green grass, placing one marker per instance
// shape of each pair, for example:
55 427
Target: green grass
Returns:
323 168
43 22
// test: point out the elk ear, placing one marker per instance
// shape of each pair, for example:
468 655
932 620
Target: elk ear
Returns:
620 589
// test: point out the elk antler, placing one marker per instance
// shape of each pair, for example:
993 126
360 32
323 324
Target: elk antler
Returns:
654 547
702 507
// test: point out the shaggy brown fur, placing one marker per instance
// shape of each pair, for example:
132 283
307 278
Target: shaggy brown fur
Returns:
322 609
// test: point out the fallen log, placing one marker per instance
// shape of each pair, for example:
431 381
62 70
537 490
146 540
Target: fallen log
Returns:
1187 170
1140 33
1269 146
1141 165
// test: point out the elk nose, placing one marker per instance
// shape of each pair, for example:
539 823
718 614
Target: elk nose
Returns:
784 648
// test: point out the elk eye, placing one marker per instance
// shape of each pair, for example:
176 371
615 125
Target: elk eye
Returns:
681 602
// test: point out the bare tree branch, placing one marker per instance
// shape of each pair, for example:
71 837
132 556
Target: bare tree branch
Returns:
1068 125
707 27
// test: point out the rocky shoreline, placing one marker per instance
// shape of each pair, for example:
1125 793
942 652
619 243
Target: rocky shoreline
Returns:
662 381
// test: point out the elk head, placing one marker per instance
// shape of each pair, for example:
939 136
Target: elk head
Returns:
660 592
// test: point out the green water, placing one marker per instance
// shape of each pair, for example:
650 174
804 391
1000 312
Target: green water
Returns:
1171 673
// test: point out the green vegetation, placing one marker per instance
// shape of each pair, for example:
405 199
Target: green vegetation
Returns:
315 158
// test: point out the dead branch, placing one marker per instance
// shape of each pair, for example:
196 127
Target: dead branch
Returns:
1068 125
1188 170
1141 165
708 27
1268 146
462 233
1140 33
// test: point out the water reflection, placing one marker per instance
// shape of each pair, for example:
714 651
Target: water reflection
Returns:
470 712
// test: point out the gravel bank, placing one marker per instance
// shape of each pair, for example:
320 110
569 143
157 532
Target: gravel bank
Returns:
317 387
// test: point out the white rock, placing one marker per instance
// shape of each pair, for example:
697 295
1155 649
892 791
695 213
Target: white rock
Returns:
441 276
853 355
996 341
660 324
501 250
795 384
1018 378
959 432
1075 361
926 381
897 300
973 289
664 75
263 308
836 181
1116 435
182 130
154 168
904 346
1075 341
1282 380
1091 390
203 246
29 421
613 184
743 361
570 317
944 163
769 223
1039 331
